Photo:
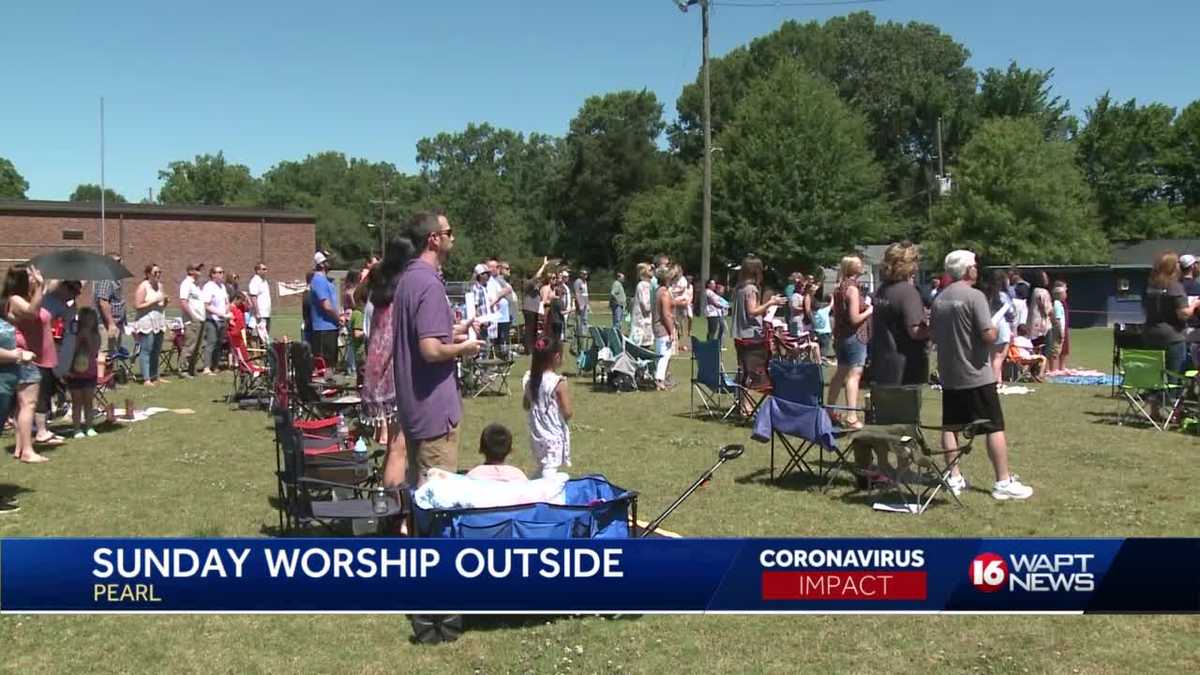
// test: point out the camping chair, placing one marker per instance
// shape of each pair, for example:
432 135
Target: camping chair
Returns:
307 495
1016 368
484 375
718 391
799 421
1144 377
604 356
328 400
250 380
753 377
894 427
646 359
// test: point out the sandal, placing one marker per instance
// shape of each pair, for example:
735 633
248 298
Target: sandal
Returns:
53 440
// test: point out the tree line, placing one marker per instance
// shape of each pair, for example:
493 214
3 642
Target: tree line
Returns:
825 138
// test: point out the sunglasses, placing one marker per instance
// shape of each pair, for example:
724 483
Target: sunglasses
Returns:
448 232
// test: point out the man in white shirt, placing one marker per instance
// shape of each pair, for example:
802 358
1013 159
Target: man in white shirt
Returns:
500 294
216 311
259 291
191 307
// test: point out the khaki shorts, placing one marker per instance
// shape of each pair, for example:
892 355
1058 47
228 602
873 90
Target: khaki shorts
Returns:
108 341
1054 344
430 453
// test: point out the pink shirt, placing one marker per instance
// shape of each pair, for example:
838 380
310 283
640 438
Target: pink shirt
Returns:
40 339
500 472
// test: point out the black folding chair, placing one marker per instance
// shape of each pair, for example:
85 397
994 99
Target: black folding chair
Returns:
329 489
894 427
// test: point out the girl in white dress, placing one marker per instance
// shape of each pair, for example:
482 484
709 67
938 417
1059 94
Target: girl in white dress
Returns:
549 407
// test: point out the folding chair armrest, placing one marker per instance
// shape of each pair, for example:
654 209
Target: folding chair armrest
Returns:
970 430
317 482
845 408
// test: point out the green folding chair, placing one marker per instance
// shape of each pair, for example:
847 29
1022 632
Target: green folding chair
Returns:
1145 378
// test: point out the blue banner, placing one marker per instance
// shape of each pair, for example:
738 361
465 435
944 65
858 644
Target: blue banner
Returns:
573 576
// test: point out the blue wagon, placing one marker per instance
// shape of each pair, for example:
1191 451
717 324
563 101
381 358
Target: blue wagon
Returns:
594 509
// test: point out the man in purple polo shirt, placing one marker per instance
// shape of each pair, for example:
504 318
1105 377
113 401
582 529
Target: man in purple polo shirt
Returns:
427 343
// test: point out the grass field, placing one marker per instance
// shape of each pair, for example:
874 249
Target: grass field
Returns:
210 474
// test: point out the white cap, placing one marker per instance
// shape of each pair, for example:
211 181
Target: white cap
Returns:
1187 260
481 269
318 259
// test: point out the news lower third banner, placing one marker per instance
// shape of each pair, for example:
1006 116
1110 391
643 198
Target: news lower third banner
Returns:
592 576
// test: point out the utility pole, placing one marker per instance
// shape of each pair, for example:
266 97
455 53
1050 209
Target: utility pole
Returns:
706 222
103 223
706 217
383 204
941 167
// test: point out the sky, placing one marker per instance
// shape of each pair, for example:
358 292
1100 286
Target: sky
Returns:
266 81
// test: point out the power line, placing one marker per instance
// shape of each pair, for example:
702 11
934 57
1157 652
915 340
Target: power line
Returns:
781 3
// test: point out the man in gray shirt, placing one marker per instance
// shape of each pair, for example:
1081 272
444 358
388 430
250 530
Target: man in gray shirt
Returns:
583 308
616 300
963 331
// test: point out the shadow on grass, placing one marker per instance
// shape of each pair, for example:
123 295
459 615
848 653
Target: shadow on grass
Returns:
1117 420
8 491
797 480
488 623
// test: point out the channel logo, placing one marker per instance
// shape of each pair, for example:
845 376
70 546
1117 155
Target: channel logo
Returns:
1033 572
989 572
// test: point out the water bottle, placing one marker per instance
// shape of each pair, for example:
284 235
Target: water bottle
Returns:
360 447
342 429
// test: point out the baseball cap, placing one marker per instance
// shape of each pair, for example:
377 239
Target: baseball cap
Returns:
481 269
319 259
1187 260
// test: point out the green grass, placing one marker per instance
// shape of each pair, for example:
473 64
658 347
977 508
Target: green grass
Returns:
210 474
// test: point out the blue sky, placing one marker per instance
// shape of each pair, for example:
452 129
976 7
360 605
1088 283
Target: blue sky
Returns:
271 81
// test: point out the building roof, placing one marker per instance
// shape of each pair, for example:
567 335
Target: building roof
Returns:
39 207
1141 253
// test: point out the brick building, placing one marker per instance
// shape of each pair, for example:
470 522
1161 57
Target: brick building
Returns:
169 236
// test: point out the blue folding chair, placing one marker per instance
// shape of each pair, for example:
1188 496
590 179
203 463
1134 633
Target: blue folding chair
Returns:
716 389
800 422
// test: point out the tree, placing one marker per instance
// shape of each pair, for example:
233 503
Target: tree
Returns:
1183 160
612 155
1124 149
207 180
1020 198
796 182
901 77
1019 92
499 190
90 192
338 192
12 184
665 218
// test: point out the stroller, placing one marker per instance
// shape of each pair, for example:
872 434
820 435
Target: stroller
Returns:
594 509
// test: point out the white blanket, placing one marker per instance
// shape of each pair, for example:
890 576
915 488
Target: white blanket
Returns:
445 490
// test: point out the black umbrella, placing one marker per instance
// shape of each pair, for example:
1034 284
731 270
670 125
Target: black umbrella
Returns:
79 265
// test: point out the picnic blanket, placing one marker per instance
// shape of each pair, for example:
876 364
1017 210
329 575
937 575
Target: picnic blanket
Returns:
1082 377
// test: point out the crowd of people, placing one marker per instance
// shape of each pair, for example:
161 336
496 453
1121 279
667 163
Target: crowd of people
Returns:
394 327
52 346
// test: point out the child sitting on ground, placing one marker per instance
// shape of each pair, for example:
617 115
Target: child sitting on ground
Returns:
495 444
1025 354
549 407
81 374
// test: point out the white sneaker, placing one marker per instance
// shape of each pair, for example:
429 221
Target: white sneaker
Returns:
1012 488
957 484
